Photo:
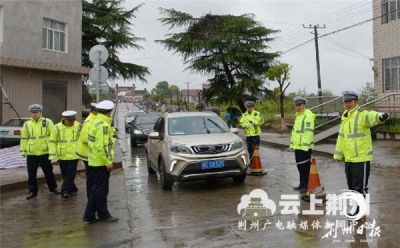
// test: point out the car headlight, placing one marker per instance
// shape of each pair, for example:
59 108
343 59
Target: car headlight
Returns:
239 144
178 148
137 131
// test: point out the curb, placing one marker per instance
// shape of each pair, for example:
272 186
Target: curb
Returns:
24 183
40 180
282 146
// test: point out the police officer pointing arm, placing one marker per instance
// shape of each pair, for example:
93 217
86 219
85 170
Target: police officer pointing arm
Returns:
354 143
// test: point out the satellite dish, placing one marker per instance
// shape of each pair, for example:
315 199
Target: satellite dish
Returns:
98 54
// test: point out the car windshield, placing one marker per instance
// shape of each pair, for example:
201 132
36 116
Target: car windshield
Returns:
133 114
146 119
15 123
196 125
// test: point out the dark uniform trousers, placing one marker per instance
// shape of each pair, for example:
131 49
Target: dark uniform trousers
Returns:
68 172
33 163
303 161
251 141
89 178
97 201
357 175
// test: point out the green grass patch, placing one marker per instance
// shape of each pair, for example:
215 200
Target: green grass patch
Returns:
393 124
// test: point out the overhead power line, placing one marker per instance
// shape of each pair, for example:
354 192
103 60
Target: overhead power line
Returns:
339 30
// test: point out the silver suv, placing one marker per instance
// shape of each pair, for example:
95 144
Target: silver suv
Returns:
194 146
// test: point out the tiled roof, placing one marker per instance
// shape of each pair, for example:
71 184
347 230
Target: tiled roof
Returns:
43 66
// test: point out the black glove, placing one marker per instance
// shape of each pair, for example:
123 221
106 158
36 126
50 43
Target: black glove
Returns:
383 116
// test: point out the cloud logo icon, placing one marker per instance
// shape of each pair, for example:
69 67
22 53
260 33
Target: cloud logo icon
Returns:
256 204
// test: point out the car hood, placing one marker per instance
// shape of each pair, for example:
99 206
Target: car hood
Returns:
205 139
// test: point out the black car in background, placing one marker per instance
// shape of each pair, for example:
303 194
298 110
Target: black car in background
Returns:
141 126
130 116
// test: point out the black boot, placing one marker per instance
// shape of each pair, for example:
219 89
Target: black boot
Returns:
31 195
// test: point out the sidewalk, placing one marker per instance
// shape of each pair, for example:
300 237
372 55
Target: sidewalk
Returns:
17 178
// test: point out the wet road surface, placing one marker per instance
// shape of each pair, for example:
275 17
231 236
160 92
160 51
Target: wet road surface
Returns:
196 214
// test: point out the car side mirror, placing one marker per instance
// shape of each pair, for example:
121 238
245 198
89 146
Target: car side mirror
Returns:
154 135
234 130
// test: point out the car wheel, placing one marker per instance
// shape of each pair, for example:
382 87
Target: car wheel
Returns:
165 182
150 170
239 179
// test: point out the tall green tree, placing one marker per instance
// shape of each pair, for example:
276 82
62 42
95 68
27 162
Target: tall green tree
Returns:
106 22
281 74
230 49
162 89
174 91
367 92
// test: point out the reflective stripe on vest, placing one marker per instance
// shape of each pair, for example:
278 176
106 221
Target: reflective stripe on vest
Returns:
356 134
302 126
64 140
98 123
338 153
82 156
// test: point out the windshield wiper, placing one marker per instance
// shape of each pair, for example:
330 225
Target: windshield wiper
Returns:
216 124
205 126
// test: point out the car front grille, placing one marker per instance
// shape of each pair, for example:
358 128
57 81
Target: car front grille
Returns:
211 149
147 131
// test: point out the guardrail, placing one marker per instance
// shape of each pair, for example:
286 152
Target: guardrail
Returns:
330 111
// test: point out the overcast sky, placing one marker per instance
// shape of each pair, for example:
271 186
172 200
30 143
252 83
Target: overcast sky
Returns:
344 56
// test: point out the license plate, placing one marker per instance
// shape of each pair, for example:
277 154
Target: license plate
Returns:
4 132
212 164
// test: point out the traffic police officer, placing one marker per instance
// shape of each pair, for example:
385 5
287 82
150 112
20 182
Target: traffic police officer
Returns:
302 140
101 155
82 149
251 121
62 147
34 145
354 143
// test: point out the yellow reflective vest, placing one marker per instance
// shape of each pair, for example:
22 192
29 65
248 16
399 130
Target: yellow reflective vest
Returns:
35 136
63 140
354 143
255 121
82 148
302 137
101 141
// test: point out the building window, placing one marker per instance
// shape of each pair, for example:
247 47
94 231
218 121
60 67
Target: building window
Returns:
391 74
54 35
390 10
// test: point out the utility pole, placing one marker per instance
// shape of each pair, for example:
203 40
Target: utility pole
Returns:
315 27
187 92
134 92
